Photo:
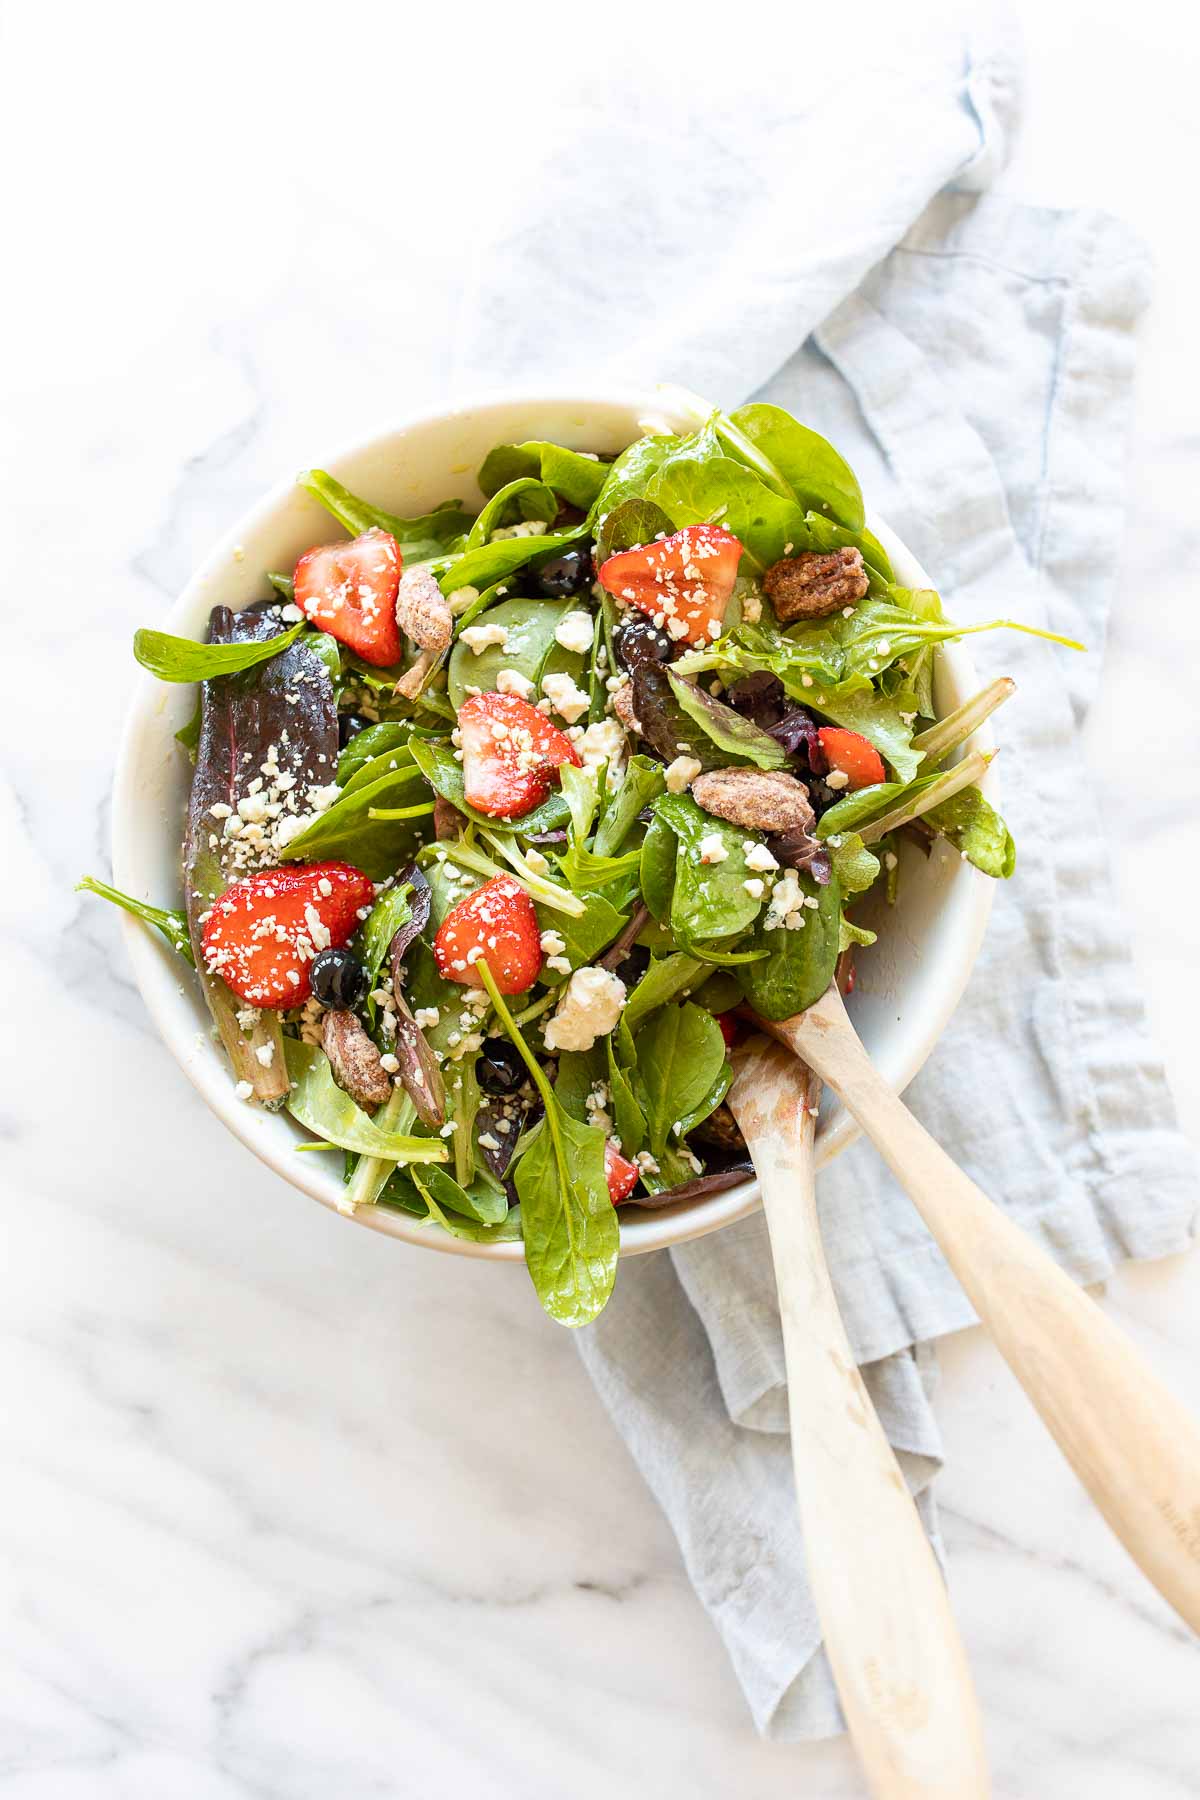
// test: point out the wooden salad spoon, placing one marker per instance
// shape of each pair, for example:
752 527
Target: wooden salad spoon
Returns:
889 1633
1133 1445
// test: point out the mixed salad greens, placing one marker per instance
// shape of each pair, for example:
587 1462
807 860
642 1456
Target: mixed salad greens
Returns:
498 817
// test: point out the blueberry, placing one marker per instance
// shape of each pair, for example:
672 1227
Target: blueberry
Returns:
499 1069
337 978
349 726
640 641
568 573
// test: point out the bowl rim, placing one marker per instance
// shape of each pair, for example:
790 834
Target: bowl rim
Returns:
156 970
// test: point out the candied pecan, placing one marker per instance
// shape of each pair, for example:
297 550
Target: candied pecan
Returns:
421 612
815 585
356 1063
448 822
759 799
622 705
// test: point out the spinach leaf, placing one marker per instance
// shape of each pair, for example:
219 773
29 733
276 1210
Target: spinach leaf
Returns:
489 563
642 783
180 659
583 937
665 979
567 1216
977 832
322 1107
483 1199
420 539
172 925
710 1102
630 475
577 478
680 1055
691 490
519 501
878 717
444 774
388 762
390 911
346 830
709 899
737 738
628 1117
389 734
189 735
410 1192
578 1073
657 868
806 463
529 626
628 526
801 964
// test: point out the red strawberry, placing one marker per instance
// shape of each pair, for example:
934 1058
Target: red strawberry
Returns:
683 582
263 933
496 923
510 754
349 590
853 755
731 1028
622 1177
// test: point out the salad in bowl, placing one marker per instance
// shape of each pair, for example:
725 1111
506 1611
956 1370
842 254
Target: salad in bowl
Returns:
503 818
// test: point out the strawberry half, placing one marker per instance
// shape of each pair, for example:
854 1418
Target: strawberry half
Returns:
511 752
349 590
683 582
263 933
496 923
621 1176
853 754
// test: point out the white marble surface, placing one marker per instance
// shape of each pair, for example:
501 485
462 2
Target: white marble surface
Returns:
288 1511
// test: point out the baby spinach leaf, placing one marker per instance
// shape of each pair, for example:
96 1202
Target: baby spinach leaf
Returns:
529 626
736 737
710 1102
389 734
430 535
691 490
628 1117
977 832
322 1107
642 783
630 475
709 899
665 979
412 1192
577 478
172 925
520 500
806 463
578 1073
346 830
444 774
489 563
189 735
483 1199
628 526
801 964
388 762
680 1054
584 937
657 867
180 659
390 911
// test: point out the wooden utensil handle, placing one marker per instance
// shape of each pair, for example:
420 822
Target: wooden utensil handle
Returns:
1133 1445
889 1632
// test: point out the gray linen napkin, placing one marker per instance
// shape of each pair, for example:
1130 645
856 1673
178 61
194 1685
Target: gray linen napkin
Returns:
979 380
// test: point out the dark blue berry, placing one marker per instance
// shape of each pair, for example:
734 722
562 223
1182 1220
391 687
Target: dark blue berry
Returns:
337 978
640 641
499 1068
349 726
565 574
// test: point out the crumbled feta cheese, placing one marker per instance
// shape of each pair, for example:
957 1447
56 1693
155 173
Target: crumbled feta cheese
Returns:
526 528
758 857
244 1090
553 943
754 885
837 778
602 742
751 609
568 700
786 910
478 637
681 773
646 1163
537 862
511 681
488 1142
389 1062
574 632
589 1009
712 848
265 1054
890 859
560 964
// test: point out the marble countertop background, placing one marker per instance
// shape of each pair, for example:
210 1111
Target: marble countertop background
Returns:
287 1511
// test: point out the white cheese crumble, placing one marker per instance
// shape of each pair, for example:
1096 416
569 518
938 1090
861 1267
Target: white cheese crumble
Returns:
712 848
511 681
568 700
837 778
602 742
427 1017
754 886
681 773
751 609
265 1054
786 910
553 943
590 1007
526 528
574 632
244 1090
478 637
758 857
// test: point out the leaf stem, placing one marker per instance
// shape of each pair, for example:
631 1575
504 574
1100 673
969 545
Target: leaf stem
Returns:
957 726
536 1072
971 769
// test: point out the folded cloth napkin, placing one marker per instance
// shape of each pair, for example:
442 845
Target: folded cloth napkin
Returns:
829 243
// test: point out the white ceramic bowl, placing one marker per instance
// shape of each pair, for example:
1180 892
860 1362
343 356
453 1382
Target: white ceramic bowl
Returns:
908 983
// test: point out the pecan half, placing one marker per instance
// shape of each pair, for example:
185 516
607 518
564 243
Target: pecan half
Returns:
759 799
356 1063
421 612
622 705
815 585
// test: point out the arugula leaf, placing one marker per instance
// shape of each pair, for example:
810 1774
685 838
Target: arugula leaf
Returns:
420 539
322 1107
389 734
801 964
577 478
806 464
709 899
584 869
680 1055
737 738
628 526
347 830
172 925
977 831
181 659
665 979
567 1216
519 501
530 626
444 774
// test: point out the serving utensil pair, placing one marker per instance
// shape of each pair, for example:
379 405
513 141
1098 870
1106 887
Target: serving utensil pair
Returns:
891 1639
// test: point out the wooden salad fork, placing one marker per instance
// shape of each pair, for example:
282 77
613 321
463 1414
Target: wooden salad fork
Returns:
889 1633
1133 1445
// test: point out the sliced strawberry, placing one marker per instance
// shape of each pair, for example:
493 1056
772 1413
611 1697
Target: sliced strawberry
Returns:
621 1176
496 924
731 1028
263 933
683 582
853 755
349 590
510 754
